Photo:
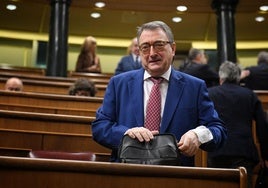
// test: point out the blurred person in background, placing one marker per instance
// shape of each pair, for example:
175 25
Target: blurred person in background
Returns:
131 61
238 107
257 78
196 65
83 87
88 60
14 84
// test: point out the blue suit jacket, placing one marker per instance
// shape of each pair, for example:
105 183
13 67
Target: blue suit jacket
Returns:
187 106
127 63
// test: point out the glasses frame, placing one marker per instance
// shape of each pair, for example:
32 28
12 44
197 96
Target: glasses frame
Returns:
145 48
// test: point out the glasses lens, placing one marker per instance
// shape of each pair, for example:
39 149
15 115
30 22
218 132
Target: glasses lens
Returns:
158 46
145 48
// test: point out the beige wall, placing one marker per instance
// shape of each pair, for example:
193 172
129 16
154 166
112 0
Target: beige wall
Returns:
21 52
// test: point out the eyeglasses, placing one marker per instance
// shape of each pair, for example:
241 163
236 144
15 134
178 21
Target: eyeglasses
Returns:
157 46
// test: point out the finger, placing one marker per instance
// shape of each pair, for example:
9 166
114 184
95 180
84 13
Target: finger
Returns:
155 132
147 136
139 136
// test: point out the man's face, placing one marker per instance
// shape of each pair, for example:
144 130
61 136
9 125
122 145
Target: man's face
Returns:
13 85
135 47
82 93
156 51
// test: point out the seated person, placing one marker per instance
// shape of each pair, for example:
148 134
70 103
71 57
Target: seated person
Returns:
14 84
83 87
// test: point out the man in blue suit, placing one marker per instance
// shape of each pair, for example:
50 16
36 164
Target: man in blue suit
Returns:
131 61
187 111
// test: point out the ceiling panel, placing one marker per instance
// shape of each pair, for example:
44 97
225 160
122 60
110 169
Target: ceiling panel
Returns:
120 18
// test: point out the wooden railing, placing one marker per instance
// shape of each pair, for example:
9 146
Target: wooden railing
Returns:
51 87
41 173
97 79
49 103
42 131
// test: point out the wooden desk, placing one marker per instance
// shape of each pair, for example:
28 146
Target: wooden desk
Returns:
42 173
40 131
73 74
97 80
52 87
45 122
41 140
22 70
263 96
57 102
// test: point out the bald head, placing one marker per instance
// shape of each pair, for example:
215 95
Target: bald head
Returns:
14 84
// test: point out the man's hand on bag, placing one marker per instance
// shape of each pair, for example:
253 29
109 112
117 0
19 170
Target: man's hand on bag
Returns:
141 133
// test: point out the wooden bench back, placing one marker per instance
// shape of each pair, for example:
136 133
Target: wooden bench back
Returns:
52 87
263 96
33 71
47 132
22 70
18 172
97 80
54 101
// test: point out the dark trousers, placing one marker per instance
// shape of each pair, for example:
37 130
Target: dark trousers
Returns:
234 162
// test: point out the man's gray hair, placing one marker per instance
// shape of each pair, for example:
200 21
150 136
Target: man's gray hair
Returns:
229 72
263 57
194 52
156 25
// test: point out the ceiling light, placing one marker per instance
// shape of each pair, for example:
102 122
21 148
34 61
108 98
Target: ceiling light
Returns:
259 19
100 4
95 15
11 7
181 8
176 19
264 8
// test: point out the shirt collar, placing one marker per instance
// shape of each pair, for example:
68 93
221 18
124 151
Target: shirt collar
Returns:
166 75
134 57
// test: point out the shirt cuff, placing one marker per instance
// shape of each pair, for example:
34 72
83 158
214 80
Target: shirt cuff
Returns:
204 135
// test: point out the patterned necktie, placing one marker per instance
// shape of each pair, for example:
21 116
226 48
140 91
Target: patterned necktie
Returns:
153 111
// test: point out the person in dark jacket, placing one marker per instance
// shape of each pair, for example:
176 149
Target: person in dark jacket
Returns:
196 65
258 75
238 107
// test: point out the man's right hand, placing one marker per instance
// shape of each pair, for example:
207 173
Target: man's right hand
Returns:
141 133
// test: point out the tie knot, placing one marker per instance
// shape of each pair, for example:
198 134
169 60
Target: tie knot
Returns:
156 80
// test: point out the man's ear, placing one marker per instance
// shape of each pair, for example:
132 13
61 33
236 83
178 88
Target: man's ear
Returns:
173 46
198 58
221 81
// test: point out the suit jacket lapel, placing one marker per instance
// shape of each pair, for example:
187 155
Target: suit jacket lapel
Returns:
175 88
135 86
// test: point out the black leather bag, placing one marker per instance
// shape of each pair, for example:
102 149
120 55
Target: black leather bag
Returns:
162 150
